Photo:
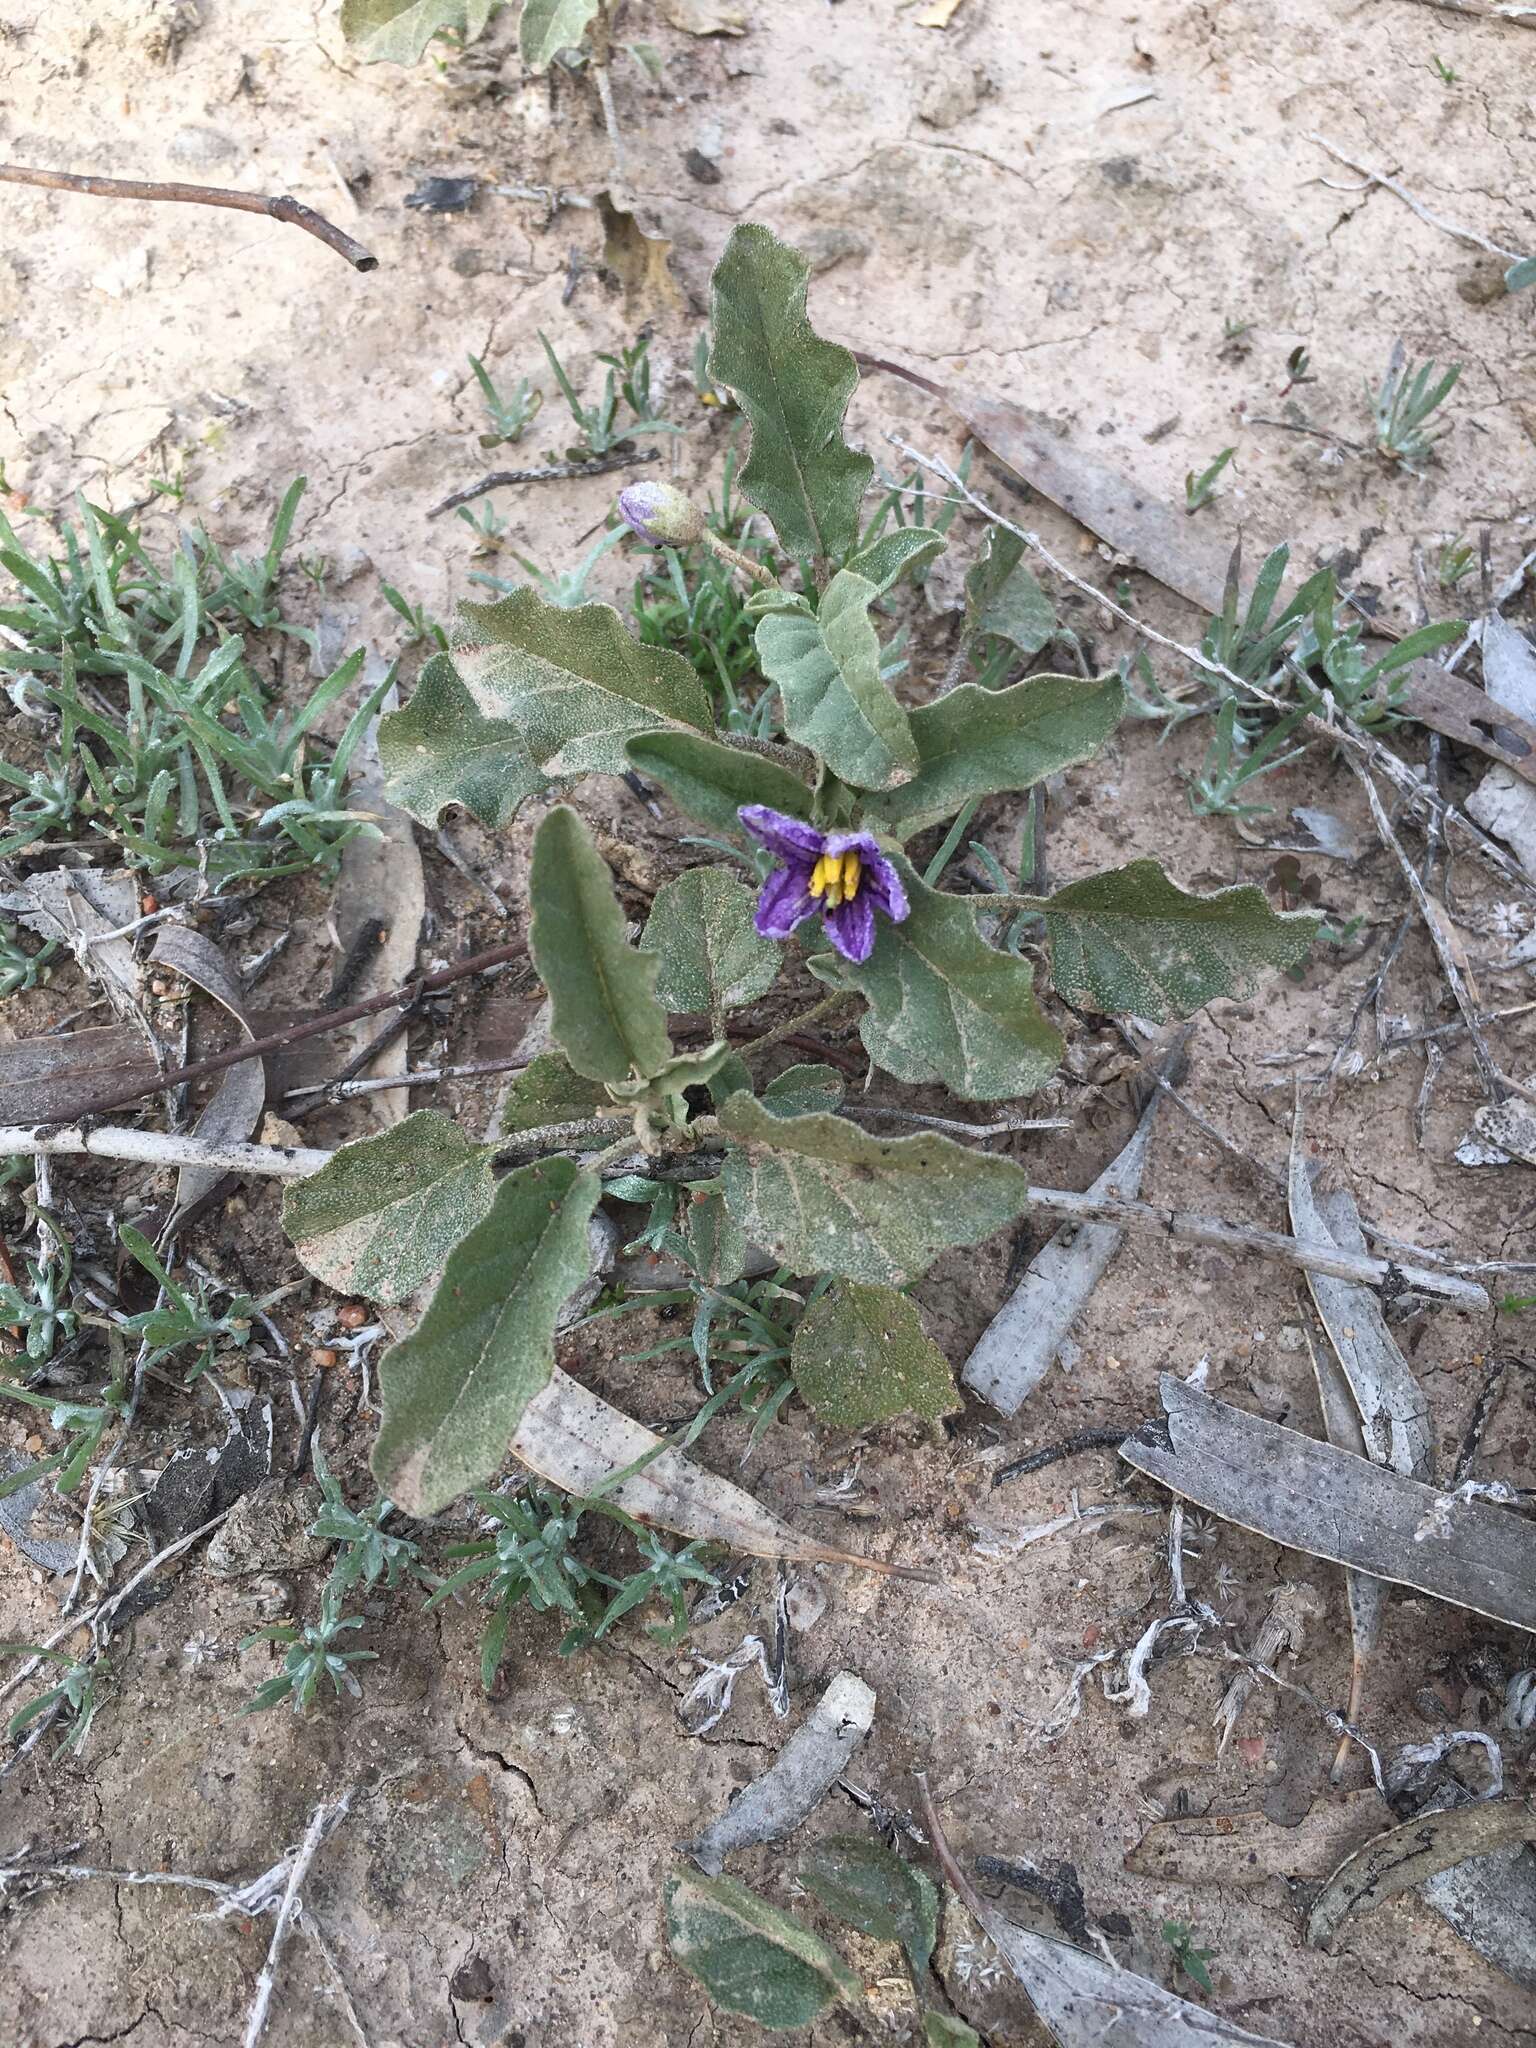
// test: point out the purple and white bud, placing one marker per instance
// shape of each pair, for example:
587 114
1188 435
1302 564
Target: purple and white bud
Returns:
661 515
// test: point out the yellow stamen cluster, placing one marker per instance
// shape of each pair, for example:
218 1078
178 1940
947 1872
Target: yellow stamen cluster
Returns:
836 878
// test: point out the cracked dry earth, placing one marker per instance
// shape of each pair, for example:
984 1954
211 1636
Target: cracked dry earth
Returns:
1066 203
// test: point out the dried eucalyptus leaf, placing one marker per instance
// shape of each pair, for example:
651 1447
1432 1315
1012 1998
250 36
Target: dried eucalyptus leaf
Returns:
1327 1503
869 1887
550 1091
574 683
1015 1351
383 1216
577 1440
1132 943
1366 1597
812 1760
861 1355
603 1009
398 31
1002 597
794 389
946 1006
749 1957
827 667
711 780
802 1091
827 1197
1249 1848
975 742
1409 1854
441 750
455 1390
547 27
709 957
1393 1410
886 560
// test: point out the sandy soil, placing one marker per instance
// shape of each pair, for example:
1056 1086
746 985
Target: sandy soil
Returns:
1068 203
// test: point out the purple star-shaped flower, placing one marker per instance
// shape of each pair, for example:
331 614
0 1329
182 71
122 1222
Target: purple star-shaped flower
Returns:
844 875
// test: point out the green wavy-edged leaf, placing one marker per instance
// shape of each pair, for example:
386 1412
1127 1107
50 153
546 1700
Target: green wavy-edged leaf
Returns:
716 1242
384 1214
1131 942
398 31
869 1887
574 683
455 1390
801 1091
794 389
711 780
604 1015
442 750
886 560
977 742
750 1957
824 1196
709 957
861 1355
1002 597
546 27
827 666
946 1006
550 1091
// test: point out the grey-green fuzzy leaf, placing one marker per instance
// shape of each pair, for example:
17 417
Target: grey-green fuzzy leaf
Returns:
794 389
574 683
827 667
384 1214
398 31
750 1957
1001 596
946 1006
716 1243
802 1091
604 1014
1131 942
550 1091
456 1388
547 27
869 1887
826 1197
886 560
709 956
977 742
711 780
861 1355
442 750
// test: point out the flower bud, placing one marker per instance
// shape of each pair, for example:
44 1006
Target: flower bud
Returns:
661 514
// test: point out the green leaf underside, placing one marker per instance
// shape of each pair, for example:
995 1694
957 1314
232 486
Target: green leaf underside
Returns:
940 2031
711 781
860 1356
709 957
1002 597
441 750
946 1006
1132 943
827 667
682 1071
455 1389
749 1957
550 1091
715 1241
869 1887
794 389
604 1015
574 683
398 31
824 1196
977 742
803 1091
886 560
547 27
383 1215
